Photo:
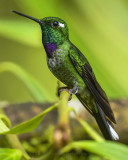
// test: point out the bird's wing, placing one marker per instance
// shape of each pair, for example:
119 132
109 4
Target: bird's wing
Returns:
85 71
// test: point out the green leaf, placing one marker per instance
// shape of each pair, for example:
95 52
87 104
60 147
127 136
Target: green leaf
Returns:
34 87
10 154
92 133
106 41
21 31
29 125
102 38
108 150
3 127
4 118
94 157
35 7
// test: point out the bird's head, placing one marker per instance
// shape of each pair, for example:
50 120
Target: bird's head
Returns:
54 29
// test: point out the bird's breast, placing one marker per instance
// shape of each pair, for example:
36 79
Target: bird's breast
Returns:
61 66
57 62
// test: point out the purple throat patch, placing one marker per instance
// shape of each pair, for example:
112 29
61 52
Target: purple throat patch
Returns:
50 48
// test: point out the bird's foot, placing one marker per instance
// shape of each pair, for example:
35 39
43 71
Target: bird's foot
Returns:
74 90
60 89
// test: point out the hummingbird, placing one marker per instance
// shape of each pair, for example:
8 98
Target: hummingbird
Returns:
71 67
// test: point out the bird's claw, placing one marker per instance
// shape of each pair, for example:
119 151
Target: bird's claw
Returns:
74 90
60 89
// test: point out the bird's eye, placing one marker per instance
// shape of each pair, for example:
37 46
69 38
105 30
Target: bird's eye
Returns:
55 24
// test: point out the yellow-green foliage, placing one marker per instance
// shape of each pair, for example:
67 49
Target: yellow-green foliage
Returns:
98 28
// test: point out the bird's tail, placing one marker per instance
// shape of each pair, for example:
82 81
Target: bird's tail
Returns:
105 125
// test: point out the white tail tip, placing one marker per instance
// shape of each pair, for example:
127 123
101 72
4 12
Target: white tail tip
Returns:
113 132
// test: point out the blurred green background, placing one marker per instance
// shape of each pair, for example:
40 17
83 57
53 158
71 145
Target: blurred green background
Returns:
99 28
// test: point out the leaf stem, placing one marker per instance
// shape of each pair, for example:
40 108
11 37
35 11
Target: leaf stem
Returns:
91 132
12 139
15 143
63 113
61 134
39 94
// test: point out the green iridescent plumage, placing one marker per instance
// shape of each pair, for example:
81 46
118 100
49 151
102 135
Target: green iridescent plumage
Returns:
52 34
71 67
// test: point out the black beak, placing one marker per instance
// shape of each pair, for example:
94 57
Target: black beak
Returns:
34 19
